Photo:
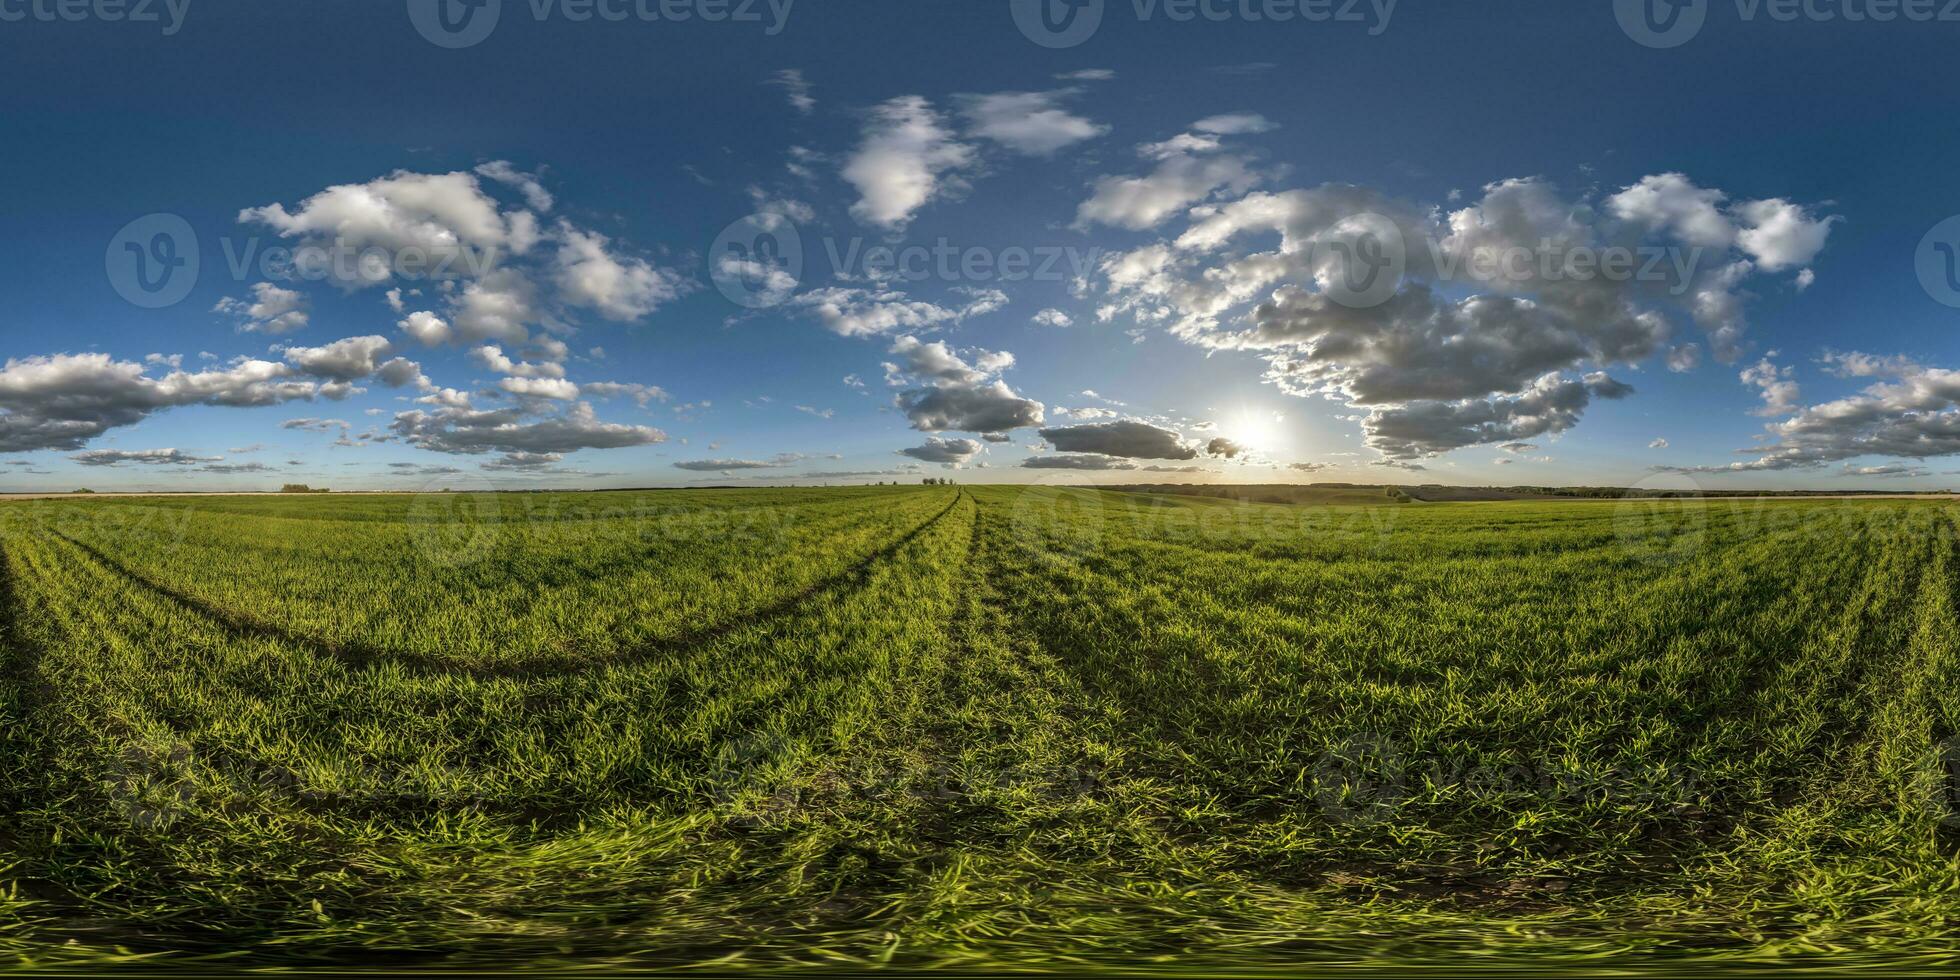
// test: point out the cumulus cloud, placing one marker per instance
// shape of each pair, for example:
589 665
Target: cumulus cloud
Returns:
358 235
1053 318
1775 233
1128 438
1425 428
529 185
1223 447
950 452
553 388
1076 463
148 457
466 431
1183 177
62 401
343 360
1911 411
958 392
485 264
1776 384
589 275
902 162
1470 342
426 327
1029 123
500 306
1189 168
524 462
864 312
492 357
987 408
271 310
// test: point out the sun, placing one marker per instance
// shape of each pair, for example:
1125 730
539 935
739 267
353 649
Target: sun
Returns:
1258 431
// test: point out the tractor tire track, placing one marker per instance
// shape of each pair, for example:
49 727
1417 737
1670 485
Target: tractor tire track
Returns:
360 656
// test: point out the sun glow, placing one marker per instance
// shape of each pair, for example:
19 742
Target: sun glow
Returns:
1258 431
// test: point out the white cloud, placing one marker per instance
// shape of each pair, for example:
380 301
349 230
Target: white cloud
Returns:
1235 124
953 394
272 310
492 358
1911 412
1128 438
1181 179
900 165
1776 384
619 288
149 457
61 401
1053 318
1781 235
426 327
949 452
534 192
1462 350
513 430
642 394
1775 233
343 360
555 388
499 306
863 313
796 88
1029 123
1076 463
389 222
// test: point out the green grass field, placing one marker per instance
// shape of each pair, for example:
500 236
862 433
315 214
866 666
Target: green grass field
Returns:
982 727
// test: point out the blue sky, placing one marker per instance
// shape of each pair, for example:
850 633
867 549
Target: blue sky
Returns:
1188 194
